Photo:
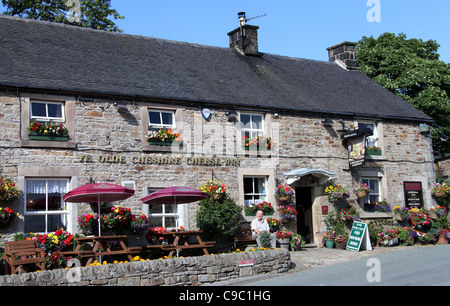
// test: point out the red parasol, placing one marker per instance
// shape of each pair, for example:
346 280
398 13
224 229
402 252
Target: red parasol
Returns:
98 192
174 195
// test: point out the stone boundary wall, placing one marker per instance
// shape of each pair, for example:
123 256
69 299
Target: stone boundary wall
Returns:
188 271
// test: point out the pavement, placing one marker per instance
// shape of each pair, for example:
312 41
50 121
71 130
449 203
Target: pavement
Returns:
313 257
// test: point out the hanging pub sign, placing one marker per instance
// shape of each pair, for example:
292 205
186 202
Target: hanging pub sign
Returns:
413 194
356 144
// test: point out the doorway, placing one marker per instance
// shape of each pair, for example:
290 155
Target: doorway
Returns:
303 204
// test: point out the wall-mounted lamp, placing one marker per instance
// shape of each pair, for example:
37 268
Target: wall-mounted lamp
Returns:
424 128
276 115
232 116
327 122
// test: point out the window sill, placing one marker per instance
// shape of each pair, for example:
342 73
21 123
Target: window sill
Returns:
27 143
375 215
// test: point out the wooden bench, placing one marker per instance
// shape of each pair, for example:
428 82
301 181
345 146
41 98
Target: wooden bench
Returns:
25 252
243 237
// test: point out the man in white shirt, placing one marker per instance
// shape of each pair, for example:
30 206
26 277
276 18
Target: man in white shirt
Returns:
259 225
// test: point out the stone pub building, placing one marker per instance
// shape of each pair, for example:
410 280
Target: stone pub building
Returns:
110 90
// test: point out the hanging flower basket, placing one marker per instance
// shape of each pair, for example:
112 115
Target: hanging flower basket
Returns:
362 194
439 194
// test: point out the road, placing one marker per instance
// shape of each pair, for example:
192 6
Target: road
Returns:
410 267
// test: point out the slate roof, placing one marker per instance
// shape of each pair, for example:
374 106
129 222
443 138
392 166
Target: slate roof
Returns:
44 55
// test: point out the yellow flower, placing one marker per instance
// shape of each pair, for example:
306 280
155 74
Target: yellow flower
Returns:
136 258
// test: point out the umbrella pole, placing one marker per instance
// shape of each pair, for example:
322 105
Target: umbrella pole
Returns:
175 201
99 228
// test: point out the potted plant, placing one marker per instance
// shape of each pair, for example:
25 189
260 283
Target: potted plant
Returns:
284 237
116 219
362 191
48 131
88 224
274 224
7 215
341 241
419 218
297 242
8 190
257 143
266 207
336 192
328 239
162 137
215 189
441 190
437 212
443 236
139 226
287 212
284 193
401 213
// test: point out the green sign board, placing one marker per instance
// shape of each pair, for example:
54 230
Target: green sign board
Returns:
359 237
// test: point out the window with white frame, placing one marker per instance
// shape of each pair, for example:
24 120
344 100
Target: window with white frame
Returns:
371 141
41 111
255 190
252 125
158 119
44 206
374 195
163 215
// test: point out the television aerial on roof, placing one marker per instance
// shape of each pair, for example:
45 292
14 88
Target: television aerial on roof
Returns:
243 20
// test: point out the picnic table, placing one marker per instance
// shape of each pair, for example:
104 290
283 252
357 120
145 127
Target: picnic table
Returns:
103 246
178 240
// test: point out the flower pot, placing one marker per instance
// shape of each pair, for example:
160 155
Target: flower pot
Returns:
36 136
398 217
439 193
284 243
341 245
217 196
442 240
136 240
285 198
329 244
433 215
373 151
362 194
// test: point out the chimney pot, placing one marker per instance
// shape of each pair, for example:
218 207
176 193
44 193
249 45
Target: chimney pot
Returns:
245 38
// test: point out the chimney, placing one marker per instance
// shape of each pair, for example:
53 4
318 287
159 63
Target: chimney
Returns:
344 54
245 38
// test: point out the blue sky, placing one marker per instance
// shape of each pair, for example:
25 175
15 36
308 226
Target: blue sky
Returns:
297 28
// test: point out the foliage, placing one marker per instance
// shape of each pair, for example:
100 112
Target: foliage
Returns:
284 191
93 14
265 239
287 212
139 224
51 129
362 187
419 218
297 242
163 135
336 192
88 224
274 224
329 235
284 233
382 206
218 219
441 188
257 142
116 218
213 187
266 207
7 215
411 69
402 211
349 214
8 190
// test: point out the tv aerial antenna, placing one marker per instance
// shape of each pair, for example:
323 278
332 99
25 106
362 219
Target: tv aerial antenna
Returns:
243 19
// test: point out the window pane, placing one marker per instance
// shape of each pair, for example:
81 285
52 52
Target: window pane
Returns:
154 117
34 224
170 222
155 221
156 209
170 209
245 119
35 202
55 201
54 110
55 222
167 118
257 122
248 185
38 110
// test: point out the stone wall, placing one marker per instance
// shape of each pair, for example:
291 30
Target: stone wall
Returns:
188 271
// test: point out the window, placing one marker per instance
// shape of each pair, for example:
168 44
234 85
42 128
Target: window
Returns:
44 207
165 215
374 194
47 111
254 190
371 141
252 125
161 119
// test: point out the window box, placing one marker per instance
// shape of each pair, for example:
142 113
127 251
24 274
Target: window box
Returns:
35 136
373 151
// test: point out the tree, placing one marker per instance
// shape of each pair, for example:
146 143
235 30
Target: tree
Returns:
411 69
89 14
